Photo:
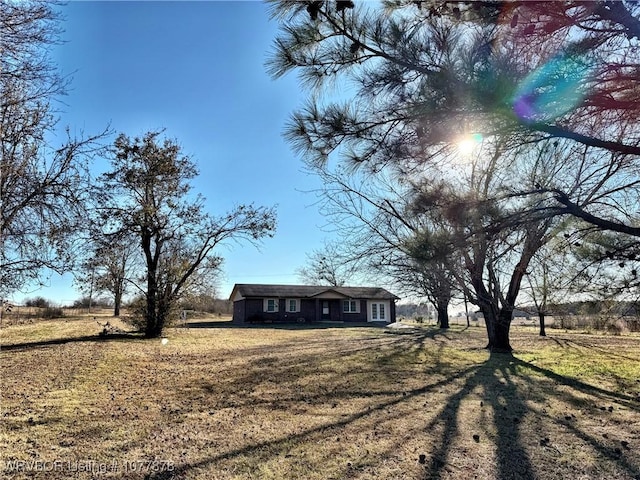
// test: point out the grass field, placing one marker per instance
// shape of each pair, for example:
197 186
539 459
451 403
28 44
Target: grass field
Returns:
316 403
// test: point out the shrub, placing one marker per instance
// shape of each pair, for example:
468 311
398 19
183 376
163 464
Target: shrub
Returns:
85 302
257 318
633 324
39 302
616 327
136 315
52 312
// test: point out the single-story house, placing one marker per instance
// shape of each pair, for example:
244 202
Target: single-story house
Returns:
254 303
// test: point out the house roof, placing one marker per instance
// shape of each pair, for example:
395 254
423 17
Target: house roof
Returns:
308 291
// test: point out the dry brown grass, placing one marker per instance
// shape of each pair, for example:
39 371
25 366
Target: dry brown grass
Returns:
316 403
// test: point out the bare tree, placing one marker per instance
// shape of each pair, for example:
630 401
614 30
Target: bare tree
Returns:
380 232
42 186
109 266
331 265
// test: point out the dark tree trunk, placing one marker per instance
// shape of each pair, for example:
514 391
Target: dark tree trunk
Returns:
490 319
153 325
443 315
117 301
151 321
161 318
153 328
157 320
498 325
502 328
543 333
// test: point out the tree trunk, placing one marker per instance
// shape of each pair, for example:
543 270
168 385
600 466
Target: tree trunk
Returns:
151 321
501 329
152 326
117 301
466 310
498 325
490 319
542 331
443 315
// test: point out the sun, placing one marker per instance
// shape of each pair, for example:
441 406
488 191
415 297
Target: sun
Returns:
467 144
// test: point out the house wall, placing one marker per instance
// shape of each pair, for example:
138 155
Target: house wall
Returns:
390 310
255 311
360 316
239 311
252 309
335 310
307 310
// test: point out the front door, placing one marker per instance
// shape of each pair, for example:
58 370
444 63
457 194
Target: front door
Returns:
326 312
378 312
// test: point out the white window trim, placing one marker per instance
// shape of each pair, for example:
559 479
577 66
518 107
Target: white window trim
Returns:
386 307
266 305
357 304
287 305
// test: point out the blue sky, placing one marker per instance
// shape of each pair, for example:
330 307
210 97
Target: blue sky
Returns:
196 69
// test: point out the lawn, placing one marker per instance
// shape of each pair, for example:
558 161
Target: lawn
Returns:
221 402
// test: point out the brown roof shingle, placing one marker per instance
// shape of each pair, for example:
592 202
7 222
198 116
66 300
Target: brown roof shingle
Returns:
309 291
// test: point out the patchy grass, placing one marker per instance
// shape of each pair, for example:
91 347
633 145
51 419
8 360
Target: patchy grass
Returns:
316 403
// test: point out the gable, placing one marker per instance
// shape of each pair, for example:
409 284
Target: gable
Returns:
332 294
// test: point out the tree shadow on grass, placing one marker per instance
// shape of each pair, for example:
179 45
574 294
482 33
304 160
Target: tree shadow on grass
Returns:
588 401
507 393
623 399
383 400
325 429
608 350
17 347
500 395
504 399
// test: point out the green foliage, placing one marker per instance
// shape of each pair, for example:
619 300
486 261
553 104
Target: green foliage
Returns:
136 314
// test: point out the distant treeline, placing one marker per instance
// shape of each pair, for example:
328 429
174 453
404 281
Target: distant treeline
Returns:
589 307
412 310
593 307
201 303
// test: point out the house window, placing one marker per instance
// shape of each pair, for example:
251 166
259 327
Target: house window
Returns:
293 305
351 306
271 305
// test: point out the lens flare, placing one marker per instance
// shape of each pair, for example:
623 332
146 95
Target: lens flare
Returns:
552 90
